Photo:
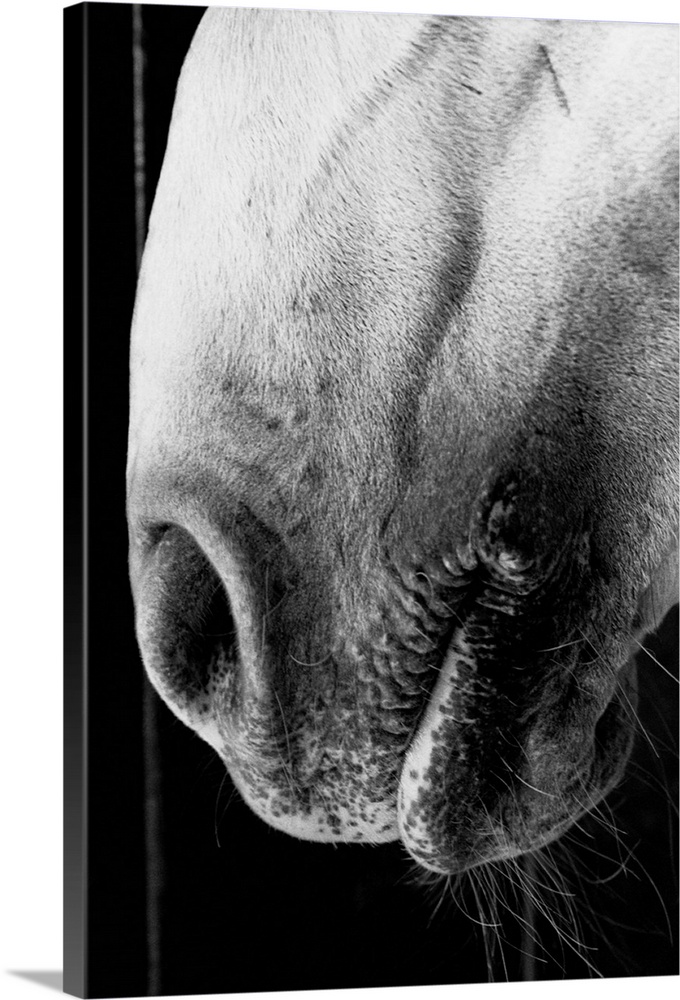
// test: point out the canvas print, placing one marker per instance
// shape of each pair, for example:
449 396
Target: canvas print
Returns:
374 520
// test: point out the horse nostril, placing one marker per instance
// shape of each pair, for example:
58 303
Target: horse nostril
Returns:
185 625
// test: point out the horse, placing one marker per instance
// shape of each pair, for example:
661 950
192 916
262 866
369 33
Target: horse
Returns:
402 471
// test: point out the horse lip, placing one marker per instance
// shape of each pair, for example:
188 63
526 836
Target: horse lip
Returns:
452 818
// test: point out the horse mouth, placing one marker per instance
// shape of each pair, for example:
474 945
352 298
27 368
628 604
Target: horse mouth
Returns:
470 724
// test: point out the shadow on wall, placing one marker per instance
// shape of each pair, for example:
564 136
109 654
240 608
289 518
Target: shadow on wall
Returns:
51 980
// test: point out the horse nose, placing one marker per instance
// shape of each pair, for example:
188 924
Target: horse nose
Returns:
201 606
243 633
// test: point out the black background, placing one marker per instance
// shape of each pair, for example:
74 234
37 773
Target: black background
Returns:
244 907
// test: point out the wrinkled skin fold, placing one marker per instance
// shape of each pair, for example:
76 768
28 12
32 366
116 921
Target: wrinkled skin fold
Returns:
403 433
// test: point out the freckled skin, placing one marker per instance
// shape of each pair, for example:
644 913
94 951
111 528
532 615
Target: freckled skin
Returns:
403 444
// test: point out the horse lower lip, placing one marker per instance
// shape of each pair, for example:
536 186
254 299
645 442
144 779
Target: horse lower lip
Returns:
423 777
485 778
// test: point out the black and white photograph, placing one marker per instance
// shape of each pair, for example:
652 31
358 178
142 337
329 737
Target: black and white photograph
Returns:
371 499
